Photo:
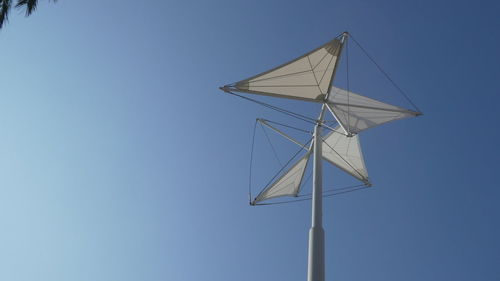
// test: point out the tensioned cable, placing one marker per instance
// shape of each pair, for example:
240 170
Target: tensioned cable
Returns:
306 199
284 166
333 130
251 162
284 111
347 191
334 190
302 130
385 74
327 190
348 92
287 126
271 144
347 162
306 181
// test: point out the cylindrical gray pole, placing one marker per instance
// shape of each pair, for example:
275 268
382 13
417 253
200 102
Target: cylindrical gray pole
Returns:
316 256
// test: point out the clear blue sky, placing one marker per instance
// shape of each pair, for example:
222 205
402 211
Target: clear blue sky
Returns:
121 160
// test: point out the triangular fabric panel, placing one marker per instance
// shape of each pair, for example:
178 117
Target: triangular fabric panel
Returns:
307 77
288 184
357 113
345 153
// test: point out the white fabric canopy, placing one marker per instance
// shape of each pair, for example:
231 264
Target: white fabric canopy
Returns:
345 153
356 113
307 77
288 184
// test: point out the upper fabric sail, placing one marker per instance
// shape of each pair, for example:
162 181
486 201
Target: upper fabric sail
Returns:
306 78
356 113
288 184
345 153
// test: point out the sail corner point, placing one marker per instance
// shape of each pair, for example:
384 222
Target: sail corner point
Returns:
225 88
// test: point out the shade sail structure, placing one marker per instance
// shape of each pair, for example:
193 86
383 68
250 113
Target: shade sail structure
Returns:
345 153
306 78
356 113
288 184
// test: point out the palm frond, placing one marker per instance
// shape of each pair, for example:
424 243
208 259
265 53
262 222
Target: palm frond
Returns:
4 11
5 6
30 5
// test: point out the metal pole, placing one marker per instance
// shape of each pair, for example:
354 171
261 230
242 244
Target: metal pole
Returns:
316 256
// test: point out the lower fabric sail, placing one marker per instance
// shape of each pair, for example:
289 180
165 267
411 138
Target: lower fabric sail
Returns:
288 184
345 153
